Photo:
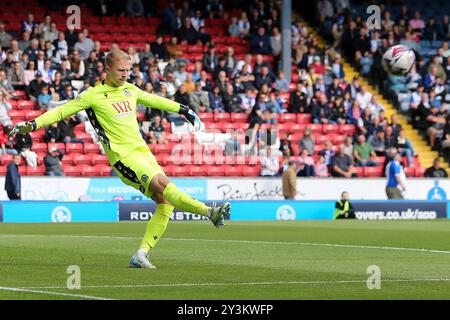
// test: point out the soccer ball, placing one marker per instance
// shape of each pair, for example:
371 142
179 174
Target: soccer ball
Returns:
399 60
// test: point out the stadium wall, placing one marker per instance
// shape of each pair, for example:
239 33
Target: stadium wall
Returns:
113 211
111 188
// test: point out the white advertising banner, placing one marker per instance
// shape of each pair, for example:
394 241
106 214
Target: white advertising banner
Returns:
323 189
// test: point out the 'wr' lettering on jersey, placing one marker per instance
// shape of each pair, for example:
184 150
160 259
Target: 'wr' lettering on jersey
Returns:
122 106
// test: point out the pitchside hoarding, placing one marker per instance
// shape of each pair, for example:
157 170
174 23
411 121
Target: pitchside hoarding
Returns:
399 210
51 211
143 211
111 188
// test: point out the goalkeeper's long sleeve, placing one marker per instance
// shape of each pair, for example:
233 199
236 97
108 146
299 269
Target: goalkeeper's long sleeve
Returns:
154 101
63 111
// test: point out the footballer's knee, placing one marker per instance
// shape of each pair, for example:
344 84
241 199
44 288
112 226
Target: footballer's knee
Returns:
159 199
159 183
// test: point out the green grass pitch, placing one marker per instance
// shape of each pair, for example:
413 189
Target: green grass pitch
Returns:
244 260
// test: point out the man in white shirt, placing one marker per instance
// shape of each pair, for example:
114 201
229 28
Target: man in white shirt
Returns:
269 164
363 97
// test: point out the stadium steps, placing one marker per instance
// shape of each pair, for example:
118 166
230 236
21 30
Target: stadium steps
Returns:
426 154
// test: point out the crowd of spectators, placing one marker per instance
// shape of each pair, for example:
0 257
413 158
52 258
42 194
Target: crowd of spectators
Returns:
52 66
422 95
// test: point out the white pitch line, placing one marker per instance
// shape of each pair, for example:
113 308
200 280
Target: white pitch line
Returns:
243 283
335 245
30 290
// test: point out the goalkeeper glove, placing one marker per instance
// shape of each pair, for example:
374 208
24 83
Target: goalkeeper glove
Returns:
23 127
191 117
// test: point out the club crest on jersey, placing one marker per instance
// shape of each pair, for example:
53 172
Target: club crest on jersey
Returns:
126 92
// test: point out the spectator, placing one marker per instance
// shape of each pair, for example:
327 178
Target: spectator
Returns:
44 98
275 42
230 59
348 146
305 164
61 47
210 60
181 96
52 133
281 83
171 84
377 142
260 43
181 73
51 34
135 8
248 100
436 171
187 33
417 23
134 56
435 123
321 111
286 147
16 77
25 41
307 141
363 97
76 66
52 162
269 164
5 85
5 143
67 94
396 177
159 49
233 145
216 101
199 99
29 24
233 28
5 106
84 46
328 152
5 37
298 102
231 100
23 144
189 84
12 179
445 138
364 154
66 129
289 181
156 132
321 169
244 25
405 147
342 164
264 78
198 21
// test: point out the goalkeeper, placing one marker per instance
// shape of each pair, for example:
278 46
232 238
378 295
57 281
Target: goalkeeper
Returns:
111 108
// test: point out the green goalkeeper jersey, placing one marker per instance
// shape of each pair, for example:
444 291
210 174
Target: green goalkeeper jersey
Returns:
112 113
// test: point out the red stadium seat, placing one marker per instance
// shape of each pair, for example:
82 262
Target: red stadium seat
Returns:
168 170
238 117
5 159
304 118
221 117
17 114
39 147
180 171
347 129
197 171
19 94
288 117
38 136
420 172
72 170
296 137
206 116
23 169
91 148
316 128
330 128
254 171
25 104
3 170
410 171
31 114
99 159
81 159
67 159
234 171
89 171
359 171
85 136
284 128
160 148
103 169
215 126
74 147
58 145
215 171
36 171
372 172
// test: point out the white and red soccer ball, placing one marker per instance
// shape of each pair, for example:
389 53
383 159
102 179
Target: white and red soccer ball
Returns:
399 60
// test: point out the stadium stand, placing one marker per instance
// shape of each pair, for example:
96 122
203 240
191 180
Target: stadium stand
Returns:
173 49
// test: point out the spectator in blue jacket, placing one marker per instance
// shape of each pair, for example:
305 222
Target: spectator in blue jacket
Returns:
260 42
12 180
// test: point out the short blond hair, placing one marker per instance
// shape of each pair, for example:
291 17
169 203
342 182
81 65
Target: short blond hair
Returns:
115 55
